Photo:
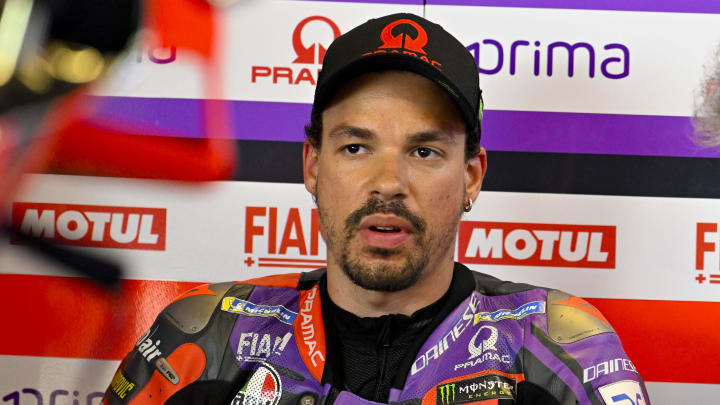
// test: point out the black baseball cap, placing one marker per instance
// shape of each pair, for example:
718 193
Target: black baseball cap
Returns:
403 42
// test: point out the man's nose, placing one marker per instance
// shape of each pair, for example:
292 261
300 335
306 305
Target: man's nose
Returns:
390 177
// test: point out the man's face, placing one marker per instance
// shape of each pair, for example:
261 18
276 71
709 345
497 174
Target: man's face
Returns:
391 179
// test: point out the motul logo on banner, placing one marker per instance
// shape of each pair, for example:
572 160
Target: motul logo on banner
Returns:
526 244
92 225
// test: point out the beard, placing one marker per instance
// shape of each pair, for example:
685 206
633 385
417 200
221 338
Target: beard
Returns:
368 268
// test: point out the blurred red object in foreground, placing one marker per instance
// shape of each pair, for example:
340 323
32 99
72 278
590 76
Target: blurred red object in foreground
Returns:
79 143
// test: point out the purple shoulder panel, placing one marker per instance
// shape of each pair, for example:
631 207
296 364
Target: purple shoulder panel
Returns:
476 346
576 344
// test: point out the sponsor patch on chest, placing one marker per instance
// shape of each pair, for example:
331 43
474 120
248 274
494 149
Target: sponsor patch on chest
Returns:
238 306
489 385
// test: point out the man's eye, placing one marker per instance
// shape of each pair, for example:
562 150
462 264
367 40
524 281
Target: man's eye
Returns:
354 149
425 153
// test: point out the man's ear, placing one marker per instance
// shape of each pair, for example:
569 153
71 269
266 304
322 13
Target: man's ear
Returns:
311 157
475 169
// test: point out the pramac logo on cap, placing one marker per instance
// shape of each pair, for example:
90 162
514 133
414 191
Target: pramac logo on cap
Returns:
403 40
404 43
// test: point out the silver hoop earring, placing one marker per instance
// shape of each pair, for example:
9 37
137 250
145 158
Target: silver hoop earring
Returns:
468 206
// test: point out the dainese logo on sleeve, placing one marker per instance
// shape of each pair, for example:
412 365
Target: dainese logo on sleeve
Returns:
607 367
305 54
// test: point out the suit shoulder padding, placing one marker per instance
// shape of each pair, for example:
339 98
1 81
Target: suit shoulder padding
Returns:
192 311
571 318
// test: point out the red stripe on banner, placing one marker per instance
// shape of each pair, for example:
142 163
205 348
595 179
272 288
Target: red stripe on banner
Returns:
289 265
668 341
71 317
271 259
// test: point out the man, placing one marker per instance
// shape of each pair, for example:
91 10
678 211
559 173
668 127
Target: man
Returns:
392 159
706 117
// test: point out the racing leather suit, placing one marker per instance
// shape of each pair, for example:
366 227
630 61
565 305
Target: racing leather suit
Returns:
262 341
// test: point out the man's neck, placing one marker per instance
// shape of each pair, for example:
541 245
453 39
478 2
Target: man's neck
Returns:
431 286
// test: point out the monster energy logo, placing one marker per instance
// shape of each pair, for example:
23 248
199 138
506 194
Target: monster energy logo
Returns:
477 389
446 394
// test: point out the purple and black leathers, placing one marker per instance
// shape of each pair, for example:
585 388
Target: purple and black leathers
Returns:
263 342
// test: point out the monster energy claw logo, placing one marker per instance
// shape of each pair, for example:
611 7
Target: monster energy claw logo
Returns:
446 394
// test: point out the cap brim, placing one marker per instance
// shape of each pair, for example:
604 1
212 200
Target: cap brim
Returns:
391 61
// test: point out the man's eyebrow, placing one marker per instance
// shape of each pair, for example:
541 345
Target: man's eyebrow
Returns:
347 131
431 136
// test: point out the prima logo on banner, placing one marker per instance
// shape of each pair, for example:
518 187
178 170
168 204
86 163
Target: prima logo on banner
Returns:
92 225
36 396
312 54
707 253
283 238
611 60
529 244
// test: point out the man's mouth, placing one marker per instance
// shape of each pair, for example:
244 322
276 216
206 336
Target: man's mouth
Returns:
385 231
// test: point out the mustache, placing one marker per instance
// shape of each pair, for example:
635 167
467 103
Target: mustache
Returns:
377 206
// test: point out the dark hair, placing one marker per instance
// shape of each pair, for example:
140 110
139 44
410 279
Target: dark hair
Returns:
313 133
